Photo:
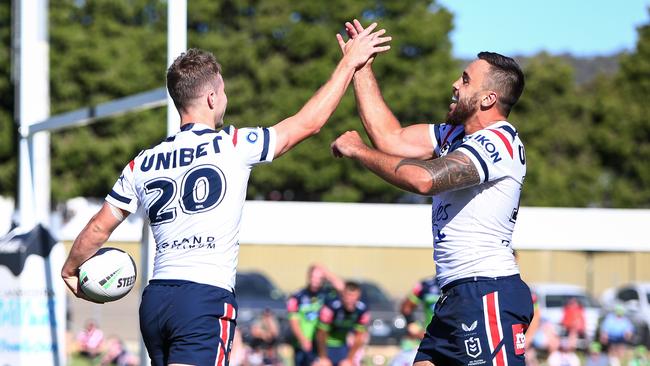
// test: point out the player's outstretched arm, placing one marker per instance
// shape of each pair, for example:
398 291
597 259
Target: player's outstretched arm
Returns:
383 128
88 242
313 115
426 177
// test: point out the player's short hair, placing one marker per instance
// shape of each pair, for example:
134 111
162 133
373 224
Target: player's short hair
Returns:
506 78
352 286
188 75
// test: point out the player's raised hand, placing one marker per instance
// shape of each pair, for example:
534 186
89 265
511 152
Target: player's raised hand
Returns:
347 144
365 44
352 30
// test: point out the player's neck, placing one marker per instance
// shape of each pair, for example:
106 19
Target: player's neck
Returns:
480 121
194 117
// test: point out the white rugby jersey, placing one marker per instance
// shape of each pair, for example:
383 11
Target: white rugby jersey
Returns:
472 227
193 187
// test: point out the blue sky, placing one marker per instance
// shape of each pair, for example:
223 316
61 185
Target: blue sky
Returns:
526 27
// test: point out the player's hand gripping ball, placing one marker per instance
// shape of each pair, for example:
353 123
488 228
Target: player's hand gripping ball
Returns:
108 275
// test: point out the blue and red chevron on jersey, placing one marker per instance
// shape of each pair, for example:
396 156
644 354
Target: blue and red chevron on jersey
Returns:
505 141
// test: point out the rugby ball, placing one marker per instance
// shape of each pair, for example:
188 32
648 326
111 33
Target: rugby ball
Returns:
108 275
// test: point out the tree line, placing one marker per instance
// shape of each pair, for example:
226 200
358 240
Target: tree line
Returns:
587 144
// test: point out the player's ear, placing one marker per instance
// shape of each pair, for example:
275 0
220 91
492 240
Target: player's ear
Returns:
211 99
488 99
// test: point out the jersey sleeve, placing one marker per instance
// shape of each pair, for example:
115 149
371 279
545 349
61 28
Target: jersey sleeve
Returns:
123 193
254 145
325 318
434 135
491 152
363 321
292 307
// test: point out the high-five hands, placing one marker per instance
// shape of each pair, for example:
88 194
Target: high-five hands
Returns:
350 142
353 30
363 44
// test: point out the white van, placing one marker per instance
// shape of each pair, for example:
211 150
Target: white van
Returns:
553 296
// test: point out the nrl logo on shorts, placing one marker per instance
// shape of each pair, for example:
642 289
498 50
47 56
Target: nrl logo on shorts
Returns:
470 328
473 347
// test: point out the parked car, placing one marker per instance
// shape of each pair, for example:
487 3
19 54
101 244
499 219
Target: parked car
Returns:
254 293
553 296
387 325
635 297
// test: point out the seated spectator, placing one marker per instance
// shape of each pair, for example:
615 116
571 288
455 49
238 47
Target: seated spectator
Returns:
546 337
265 332
596 357
531 332
565 355
573 318
408 346
640 357
90 340
615 332
117 354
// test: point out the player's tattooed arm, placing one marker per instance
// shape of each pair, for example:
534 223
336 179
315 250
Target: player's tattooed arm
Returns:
451 172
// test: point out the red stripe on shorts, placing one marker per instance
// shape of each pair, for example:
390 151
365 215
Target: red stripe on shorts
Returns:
493 328
229 311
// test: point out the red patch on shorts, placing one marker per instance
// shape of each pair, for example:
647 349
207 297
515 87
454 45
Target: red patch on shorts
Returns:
519 338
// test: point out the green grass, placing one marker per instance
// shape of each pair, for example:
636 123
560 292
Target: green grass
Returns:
76 360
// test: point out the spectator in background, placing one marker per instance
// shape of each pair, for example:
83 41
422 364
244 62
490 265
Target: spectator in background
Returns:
533 327
408 345
117 354
265 332
303 308
426 292
547 337
239 350
640 357
573 319
615 331
337 319
596 357
531 352
565 355
90 340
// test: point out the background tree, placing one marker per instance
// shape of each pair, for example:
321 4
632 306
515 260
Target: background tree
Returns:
276 54
102 50
8 150
620 113
552 121
587 143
